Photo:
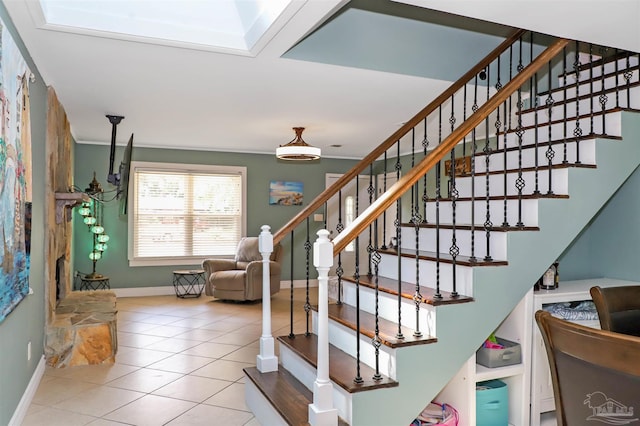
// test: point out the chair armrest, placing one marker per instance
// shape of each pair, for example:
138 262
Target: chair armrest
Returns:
213 265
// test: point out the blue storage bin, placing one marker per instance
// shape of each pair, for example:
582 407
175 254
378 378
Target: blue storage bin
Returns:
492 403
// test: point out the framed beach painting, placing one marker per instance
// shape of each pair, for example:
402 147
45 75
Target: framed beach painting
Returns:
283 193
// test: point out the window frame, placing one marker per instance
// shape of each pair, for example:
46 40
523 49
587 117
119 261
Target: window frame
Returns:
178 168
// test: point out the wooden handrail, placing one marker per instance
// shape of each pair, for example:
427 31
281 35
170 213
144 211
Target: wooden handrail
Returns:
361 222
325 195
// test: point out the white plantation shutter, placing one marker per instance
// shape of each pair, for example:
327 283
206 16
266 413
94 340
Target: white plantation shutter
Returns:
186 214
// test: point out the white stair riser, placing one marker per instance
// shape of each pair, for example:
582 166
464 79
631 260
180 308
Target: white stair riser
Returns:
496 212
307 373
609 67
595 87
566 129
427 241
261 407
559 183
571 109
496 161
388 308
428 272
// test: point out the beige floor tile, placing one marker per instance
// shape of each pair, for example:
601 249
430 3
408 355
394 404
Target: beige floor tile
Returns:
253 422
99 401
134 326
230 397
192 388
165 331
145 380
56 417
103 422
211 350
191 322
203 415
173 344
180 363
161 319
150 410
223 325
201 334
246 354
137 340
58 389
224 370
236 338
140 357
99 374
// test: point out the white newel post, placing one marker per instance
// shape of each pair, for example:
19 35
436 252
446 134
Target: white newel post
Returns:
266 360
321 411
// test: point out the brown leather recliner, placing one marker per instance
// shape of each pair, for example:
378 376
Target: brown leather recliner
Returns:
241 278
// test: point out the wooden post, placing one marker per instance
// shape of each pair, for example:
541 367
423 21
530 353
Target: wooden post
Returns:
266 360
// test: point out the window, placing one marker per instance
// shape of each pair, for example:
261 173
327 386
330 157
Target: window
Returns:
185 213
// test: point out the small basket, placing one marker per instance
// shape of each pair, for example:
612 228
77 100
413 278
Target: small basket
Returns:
437 414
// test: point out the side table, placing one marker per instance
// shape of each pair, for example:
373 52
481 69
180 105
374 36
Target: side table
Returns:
188 283
93 282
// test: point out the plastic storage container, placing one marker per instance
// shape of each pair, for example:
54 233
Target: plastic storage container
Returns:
492 403
511 354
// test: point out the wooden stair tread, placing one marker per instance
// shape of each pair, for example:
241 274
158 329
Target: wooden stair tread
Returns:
467 227
346 315
286 393
502 197
540 168
445 257
342 366
494 151
407 290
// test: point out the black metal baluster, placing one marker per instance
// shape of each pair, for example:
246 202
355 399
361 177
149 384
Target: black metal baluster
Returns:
577 132
371 191
454 250
505 221
417 297
487 152
339 229
291 334
376 341
627 76
398 246
536 142
425 198
591 88
520 183
565 158
356 275
550 152
603 98
307 304
617 81
384 213
438 295
474 149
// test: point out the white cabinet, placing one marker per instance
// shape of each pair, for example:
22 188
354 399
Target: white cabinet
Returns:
529 383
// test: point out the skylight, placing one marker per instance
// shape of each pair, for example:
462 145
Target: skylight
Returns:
220 24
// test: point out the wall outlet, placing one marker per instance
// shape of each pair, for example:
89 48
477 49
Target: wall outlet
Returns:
29 351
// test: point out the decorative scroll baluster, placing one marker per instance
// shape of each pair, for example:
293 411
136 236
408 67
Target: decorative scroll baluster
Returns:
591 87
520 183
307 304
417 297
425 198
487 159
577 132
603 98
505 221
550 152
438 295
627 77
398 246
565 160
291 334
371 191
474 149
617 81
536 138
376 341
384 213
454 250
339 269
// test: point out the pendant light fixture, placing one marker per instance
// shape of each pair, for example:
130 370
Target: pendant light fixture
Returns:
298 149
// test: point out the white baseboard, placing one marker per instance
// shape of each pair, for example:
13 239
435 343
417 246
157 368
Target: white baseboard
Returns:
169 291
27 396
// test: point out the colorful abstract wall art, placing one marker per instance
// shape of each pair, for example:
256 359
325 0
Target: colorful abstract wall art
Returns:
15 175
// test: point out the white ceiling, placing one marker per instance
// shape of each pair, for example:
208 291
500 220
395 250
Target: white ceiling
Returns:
177 97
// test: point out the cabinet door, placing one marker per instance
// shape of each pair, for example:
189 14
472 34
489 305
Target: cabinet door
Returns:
541 376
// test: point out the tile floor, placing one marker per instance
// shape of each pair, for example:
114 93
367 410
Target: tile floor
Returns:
179 362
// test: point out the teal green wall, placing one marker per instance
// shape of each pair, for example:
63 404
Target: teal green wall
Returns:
26 323
261 169
609 247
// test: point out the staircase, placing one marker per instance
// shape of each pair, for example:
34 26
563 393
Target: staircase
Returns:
468 249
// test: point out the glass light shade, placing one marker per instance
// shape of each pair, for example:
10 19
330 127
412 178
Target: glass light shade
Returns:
103 238
97 229
95 255
89 220
84 211
101 247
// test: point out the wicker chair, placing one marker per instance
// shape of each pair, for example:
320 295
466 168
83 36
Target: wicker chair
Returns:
595 373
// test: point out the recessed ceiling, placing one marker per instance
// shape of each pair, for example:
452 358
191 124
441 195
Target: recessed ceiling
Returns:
227 25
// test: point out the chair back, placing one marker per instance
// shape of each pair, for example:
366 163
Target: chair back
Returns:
595 373
618 308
